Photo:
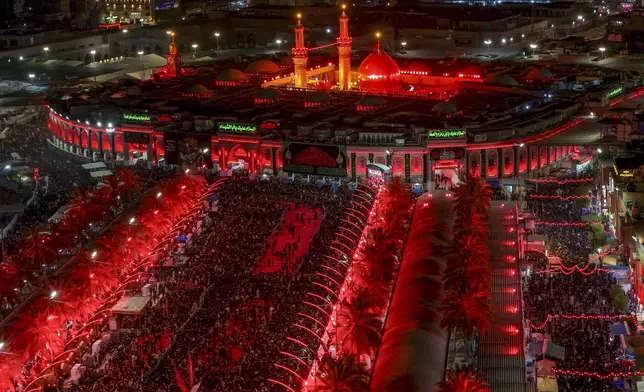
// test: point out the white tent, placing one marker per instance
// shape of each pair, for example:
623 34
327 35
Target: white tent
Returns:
94 165
130 305
100 173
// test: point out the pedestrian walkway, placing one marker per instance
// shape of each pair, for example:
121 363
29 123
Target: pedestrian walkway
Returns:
292 239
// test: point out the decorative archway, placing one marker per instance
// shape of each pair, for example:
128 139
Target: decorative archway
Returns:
398 164
534 158
508 161
93 139
278 158
380 159
241 155
83 138
105 142
265 157
416 165
475 164
523 159
361 165
492 163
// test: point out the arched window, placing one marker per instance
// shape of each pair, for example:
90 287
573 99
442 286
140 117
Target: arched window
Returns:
398 165
416 165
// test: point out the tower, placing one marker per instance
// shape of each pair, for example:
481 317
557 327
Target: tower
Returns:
300 55
173 69
344 53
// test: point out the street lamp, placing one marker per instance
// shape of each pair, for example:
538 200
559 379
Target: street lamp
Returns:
194 50
124 31
580 17
533 47
31 77
278 42
140 53
404 44
93 52
488 42
602 50
46 49
503 41
217 36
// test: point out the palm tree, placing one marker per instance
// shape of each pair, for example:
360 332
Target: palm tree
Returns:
462 380
469 310
61 237
34 247
359 324
86 207
129 181
343 374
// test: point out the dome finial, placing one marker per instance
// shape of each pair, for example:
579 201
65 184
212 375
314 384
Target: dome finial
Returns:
344 7
377 47
299 19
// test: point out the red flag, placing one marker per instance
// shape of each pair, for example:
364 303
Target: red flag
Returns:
182 385
190 370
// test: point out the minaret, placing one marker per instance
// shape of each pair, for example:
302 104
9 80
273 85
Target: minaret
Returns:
344 53
173 68
300 55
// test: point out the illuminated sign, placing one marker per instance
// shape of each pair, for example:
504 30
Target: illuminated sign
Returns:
137 117
624 172
615 91
237 128
446 133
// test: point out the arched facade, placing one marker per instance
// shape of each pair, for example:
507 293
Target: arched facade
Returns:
413 164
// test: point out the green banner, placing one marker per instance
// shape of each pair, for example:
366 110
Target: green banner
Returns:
236 127
447 133
137 117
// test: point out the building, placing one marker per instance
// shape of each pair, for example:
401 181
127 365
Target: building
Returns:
451 25
626 30
128 11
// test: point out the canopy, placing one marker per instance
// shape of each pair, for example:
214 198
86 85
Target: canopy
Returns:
101 173
93 165
130 305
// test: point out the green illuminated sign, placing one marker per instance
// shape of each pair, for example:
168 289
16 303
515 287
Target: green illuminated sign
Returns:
236 128
615 91
136 117
446 133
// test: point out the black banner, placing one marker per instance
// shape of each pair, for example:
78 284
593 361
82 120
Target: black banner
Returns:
318 159
446 154
187 149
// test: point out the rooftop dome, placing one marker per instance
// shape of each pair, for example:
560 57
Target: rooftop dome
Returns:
268 93
539 74
445 108
197 89
231 75
378 68
501 79
319 97
262 66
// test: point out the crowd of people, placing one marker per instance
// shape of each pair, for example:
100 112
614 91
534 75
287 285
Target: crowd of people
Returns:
58 182
234 319
588 343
